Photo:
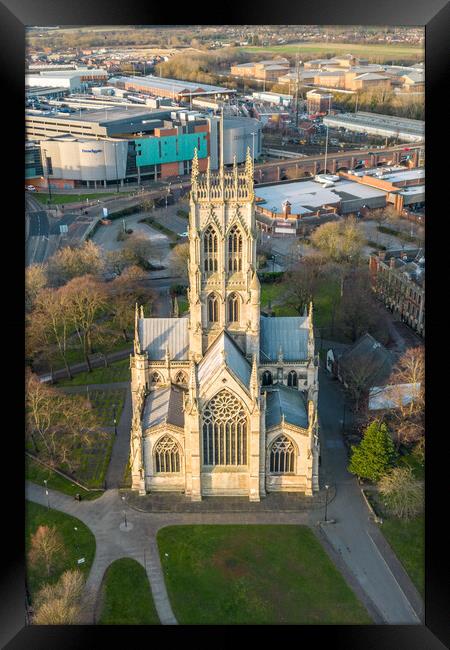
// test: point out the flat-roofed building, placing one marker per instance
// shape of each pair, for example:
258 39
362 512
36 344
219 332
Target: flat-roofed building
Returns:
318 101
173 88
378 124
268 70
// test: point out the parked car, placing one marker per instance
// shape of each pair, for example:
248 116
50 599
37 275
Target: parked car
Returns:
30 188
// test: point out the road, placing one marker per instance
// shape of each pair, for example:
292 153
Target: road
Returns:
354 537
38 230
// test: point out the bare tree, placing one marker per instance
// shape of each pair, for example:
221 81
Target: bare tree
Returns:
407 415
62 603
358 311
403 493
358 375
51 320
340 240
139 248
179 260
47 545
71 262
35 281
303 282
57 422
125 291
85 298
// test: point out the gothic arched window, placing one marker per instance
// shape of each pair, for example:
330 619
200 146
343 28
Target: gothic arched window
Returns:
267 379
210 250
180 378
292 379
167 455
224 431
282 456
155 378
213 308
233 308
234 250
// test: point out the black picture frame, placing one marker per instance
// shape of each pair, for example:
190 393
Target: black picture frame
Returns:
434 15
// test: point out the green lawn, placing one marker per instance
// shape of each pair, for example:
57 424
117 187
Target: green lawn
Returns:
104 401
78 544
75 352
217 574
328 291
59 199
37 473
379 52
115 372
407 539
127 598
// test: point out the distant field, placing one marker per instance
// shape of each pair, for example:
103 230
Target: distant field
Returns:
384 52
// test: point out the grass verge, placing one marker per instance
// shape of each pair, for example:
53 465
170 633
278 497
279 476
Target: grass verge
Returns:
37 473
79 542
126 595
61 199
115 372
254 575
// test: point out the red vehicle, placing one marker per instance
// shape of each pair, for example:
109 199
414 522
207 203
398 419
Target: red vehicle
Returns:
406 149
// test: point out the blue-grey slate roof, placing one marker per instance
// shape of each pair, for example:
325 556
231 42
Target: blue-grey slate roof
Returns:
163 406
289 332
234 357
155 334
289 402
368 354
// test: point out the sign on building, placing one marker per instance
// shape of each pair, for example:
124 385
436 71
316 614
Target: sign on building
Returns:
63 229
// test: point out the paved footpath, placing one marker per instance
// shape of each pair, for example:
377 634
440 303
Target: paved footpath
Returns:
354 542
105 518
355 537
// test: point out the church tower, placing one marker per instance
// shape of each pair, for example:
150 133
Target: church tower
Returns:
224 290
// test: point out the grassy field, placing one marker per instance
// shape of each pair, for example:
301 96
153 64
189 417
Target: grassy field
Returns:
115 372
253 575
407 539
328 292
35 472
126 595
75 353
62 199
78 543
380 52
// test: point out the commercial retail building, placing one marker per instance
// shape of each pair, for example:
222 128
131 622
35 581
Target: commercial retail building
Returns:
129 145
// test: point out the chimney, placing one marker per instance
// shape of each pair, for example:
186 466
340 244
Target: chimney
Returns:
286 209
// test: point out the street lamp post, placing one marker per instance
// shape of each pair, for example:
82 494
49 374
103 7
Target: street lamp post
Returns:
125 519
46 493
343 420
327 487
115 420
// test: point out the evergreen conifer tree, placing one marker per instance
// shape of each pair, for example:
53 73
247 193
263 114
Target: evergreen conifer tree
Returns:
375 455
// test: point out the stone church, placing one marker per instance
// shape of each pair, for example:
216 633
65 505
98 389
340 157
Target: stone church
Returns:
224 398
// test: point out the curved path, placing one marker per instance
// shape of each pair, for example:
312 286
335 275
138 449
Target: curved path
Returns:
354 542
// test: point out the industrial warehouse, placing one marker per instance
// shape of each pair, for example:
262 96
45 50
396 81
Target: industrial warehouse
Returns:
388 126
